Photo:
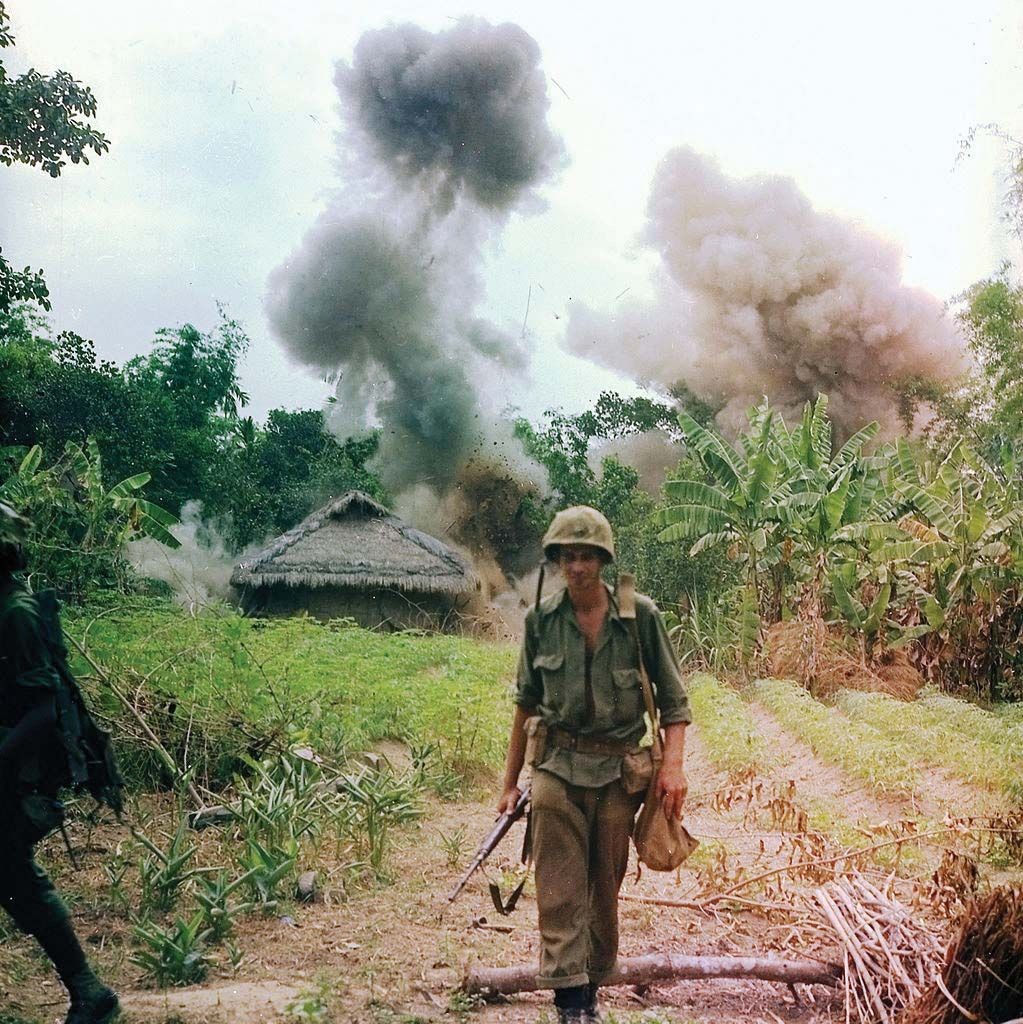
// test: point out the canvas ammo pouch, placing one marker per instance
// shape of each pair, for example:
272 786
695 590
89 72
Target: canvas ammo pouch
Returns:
637 770
536 740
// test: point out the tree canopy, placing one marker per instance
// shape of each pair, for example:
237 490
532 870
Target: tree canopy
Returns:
42 124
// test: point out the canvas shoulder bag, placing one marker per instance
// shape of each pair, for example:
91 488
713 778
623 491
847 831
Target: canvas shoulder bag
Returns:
662 843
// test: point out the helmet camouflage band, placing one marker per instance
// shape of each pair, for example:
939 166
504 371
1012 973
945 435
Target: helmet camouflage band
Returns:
12 526
579 525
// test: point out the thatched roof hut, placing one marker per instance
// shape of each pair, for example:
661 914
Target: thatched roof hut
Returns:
354 558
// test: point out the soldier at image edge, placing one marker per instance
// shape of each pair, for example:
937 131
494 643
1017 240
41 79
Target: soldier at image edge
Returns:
579 688
48 741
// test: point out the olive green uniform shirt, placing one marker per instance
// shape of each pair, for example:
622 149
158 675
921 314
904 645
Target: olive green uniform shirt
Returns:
27 677
552 683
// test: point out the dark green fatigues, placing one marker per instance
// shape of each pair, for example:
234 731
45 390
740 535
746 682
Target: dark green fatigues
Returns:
28 791
583 807
47 741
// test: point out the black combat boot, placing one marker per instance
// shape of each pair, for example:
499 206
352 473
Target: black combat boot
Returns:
571 1004
91 1001
591 1012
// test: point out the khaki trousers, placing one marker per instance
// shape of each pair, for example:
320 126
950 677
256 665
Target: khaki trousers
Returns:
581 850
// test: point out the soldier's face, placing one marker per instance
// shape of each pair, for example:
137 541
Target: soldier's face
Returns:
580 565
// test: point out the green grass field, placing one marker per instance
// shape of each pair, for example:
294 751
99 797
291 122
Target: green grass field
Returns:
977 746
859 748
725 725
216 686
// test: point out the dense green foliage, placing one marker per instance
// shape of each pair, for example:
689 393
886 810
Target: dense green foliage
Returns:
41 124
78 527
257 687
563 445
895 547
986 405
174 414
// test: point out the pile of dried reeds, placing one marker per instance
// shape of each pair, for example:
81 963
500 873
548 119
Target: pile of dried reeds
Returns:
814 654
982 976
891 956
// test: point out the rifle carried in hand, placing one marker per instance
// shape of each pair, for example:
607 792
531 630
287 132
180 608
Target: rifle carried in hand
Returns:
489 844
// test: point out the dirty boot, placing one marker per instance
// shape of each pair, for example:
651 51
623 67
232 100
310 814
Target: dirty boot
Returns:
591 1012
570 1004
91 1001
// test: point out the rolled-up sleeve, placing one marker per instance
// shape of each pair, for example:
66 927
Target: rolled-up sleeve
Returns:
662 665
528 684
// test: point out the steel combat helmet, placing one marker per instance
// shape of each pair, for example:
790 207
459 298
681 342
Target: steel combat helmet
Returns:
579 525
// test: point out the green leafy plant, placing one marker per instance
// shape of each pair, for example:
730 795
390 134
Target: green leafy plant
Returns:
163 873
218 910
381 801
175 955
269 872
454 845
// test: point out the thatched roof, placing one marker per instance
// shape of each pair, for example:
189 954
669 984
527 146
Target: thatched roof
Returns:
355 542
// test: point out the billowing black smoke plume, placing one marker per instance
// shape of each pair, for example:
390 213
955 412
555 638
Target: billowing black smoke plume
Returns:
759 294
445 133
460 112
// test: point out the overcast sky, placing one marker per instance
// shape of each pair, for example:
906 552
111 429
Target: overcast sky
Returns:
222 118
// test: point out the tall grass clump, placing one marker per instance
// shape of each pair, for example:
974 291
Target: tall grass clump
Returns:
975 745
859 749
221 691
725 725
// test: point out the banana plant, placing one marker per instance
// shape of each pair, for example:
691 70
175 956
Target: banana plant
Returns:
736 505
78 526
966 524
115 516
868 618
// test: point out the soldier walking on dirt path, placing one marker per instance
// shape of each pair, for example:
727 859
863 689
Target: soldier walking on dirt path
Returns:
47 741
579 693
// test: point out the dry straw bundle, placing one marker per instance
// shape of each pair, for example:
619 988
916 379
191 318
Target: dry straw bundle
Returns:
890 957
807 650
982 976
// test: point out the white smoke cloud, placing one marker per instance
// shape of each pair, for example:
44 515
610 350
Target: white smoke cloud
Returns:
200 570
758 294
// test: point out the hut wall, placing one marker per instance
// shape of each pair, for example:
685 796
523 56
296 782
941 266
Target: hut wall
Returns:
372 608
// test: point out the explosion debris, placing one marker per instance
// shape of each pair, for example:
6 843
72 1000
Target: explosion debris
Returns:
758 294
445 134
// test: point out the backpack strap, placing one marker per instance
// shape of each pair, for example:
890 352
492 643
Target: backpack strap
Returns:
626 595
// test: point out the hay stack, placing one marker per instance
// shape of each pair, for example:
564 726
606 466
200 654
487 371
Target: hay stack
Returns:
982 979
808 651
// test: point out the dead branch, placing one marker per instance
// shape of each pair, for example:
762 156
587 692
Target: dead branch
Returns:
154 741
851 855
644 970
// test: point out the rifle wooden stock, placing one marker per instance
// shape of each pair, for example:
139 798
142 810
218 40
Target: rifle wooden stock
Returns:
491 840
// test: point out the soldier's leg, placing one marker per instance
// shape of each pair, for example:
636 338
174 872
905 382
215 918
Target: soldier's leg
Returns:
28 895
614 816
560 850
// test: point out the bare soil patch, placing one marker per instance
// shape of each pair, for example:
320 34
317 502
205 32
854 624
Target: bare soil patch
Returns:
395 953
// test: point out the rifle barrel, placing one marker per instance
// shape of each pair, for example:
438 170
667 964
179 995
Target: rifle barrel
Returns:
490 841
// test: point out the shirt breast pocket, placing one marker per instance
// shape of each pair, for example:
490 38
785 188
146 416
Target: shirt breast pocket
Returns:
551 667
628 695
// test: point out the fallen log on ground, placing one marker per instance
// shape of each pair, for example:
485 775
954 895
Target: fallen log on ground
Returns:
644 970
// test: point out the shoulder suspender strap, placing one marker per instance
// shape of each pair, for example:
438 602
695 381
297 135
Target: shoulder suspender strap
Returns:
627 612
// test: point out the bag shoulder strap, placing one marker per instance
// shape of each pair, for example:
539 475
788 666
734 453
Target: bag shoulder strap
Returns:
627 612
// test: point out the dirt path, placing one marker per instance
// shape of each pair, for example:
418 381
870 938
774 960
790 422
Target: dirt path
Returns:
395 954
816 780
939 796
